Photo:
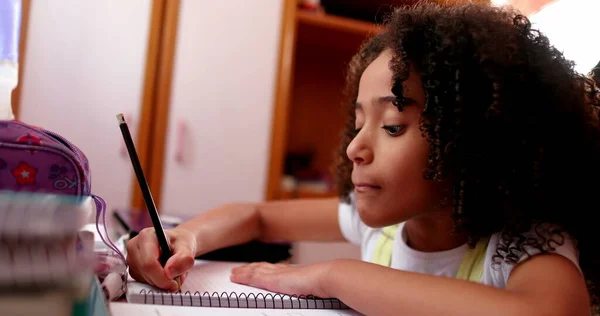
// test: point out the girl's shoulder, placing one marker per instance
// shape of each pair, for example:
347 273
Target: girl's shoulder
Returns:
504 252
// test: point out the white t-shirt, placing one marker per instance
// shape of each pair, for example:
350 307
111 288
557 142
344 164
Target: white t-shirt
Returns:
443 263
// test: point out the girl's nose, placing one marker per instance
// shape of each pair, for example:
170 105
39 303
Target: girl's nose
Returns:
358 150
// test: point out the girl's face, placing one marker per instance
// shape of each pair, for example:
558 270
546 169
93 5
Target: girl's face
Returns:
389 153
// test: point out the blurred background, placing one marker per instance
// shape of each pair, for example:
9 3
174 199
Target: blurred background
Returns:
228 101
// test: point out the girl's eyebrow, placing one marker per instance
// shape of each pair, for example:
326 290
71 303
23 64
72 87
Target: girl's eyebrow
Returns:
383 100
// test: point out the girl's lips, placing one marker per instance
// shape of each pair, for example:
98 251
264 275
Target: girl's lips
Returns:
364 187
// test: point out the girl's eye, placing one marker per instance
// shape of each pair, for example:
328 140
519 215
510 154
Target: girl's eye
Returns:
356 131
394 130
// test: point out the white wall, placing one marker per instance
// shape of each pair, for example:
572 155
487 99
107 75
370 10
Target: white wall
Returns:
84 64
8 81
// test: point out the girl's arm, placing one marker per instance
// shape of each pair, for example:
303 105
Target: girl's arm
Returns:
230 225
542 285
294 220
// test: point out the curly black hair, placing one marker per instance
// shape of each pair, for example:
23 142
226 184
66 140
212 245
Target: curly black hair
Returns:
509 123
595 74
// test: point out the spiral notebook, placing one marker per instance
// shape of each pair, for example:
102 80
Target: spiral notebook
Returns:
46 263
42 216
208 285
40 243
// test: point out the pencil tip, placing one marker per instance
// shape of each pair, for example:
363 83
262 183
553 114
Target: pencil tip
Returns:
121 118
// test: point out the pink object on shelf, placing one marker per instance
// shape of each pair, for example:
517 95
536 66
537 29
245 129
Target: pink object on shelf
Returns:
182 132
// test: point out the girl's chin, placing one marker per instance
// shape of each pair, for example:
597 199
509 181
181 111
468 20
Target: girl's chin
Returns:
378 218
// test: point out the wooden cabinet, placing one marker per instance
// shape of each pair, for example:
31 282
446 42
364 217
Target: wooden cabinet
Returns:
196 80
217 117
309 111
228 100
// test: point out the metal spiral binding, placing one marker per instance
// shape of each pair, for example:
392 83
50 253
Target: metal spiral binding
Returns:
242 300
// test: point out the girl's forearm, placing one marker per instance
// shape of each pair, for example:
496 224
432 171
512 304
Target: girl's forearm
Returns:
225 226
376 290
273 221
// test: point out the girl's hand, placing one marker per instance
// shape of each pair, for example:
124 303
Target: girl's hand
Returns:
143 257
282 278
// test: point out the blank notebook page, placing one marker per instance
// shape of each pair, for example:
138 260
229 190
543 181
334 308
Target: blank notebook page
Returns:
208 284
214 277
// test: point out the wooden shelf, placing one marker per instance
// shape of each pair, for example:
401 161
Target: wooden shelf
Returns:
311 112
337 22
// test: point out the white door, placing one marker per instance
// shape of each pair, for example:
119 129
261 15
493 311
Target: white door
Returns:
218 137
84 64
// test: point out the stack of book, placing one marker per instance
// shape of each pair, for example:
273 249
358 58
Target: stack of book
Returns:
46 263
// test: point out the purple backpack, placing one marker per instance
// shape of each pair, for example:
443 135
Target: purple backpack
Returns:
33 159
36 160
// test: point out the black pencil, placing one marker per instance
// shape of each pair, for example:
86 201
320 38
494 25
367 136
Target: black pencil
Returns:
163 242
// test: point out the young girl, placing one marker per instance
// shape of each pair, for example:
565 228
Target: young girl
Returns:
468 175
